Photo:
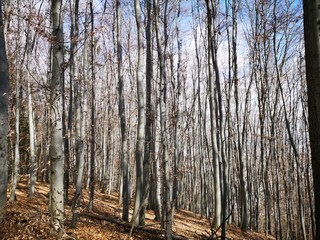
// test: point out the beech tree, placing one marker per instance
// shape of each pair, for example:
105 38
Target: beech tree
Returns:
17 112
93 109
167 206
141 120
122 115
214 102
56 111
209 117
79 110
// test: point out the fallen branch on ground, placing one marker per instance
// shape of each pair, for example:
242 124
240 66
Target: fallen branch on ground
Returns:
214 232
129 225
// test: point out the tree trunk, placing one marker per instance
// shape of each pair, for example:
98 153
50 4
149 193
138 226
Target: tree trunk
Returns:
18 62
79 118
4 124
148 154
122 115
141 121
17 137
312 51
240 136
216 154
33 167
92 156
56 147
167 210
176 114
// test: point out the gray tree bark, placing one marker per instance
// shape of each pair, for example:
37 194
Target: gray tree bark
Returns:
141 120
18 61
216 153
176 113
240 135
92 140
122 114
17 137
32 134
56 146
167 210
79 115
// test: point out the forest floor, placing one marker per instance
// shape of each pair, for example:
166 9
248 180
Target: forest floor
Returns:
29 219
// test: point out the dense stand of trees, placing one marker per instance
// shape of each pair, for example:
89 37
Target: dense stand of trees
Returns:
200 105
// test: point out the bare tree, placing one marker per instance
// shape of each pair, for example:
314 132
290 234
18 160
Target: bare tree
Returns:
141 120
122 115
56 146
148 149
17 111
4 125
92 120
312 51
213 92
167 211
79 110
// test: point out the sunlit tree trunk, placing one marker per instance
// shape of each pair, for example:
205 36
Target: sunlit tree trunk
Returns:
79 111
32 135
167 211
213 109
141 120
56 146
156 162
30 43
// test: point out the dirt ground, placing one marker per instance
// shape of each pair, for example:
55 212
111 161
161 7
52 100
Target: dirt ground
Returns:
29 219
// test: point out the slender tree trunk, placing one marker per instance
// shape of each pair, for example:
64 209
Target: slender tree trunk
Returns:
216 154
92 156
156 163
79 111
16 163
4 123
17 138
167 211
149 118
66 145
33 167
176 114
68 127
30 43
56 147
122 114
240 137
141 121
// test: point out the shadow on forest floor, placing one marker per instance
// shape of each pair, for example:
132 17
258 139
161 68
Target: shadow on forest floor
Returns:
29 219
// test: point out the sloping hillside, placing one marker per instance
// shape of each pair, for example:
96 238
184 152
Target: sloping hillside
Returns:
29 219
